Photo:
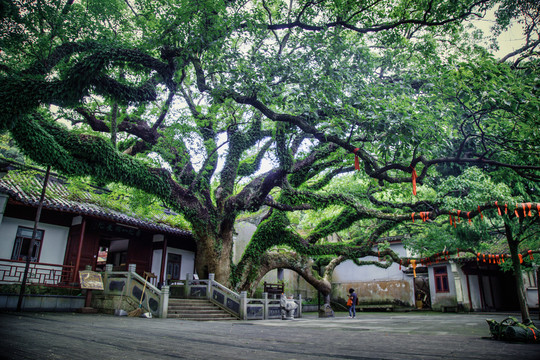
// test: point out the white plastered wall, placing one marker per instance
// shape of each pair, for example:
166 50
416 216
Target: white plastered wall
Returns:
53 247
188 259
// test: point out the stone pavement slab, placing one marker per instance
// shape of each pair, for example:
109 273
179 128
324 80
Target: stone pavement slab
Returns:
369 336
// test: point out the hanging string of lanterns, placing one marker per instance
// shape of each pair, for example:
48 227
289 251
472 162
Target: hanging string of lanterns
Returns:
444 256
456 215
455 218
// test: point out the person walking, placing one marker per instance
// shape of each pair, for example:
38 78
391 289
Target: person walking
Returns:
352 301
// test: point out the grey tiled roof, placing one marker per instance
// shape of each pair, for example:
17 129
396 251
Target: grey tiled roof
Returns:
58 198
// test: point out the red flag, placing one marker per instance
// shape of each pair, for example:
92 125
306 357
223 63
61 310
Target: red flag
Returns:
356 159
414 176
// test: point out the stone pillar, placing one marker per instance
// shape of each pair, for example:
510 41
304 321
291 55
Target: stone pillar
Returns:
164 302
211 278
132 267
265 305
299 305
243 305
105 275
88 301
187 285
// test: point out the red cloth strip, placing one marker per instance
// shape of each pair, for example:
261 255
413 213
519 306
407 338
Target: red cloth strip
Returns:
356 159
414 176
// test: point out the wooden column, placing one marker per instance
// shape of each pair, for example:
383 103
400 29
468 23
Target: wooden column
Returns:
33 240
163 261
79 250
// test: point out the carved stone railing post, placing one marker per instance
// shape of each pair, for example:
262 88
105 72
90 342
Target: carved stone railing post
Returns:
265 304
187 285
211 278
105 275
131 269
299 305
164 302
243 305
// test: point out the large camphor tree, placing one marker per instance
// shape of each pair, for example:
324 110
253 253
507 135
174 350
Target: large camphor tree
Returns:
223 107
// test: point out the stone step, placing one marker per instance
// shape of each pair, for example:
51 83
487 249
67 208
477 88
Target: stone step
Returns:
188 306
199 315
188 301
205 318
201 312
196 310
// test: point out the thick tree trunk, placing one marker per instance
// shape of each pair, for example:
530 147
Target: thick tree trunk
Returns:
513 245
214 256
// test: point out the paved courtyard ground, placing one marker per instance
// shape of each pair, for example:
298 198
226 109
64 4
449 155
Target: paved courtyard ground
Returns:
411 336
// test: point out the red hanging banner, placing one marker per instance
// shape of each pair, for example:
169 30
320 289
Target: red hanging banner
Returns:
414 176
356 159
498 208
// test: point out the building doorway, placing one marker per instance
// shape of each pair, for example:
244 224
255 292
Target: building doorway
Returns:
112 251
174 267
422 294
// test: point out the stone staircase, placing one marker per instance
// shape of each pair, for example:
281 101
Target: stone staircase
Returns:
196 310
